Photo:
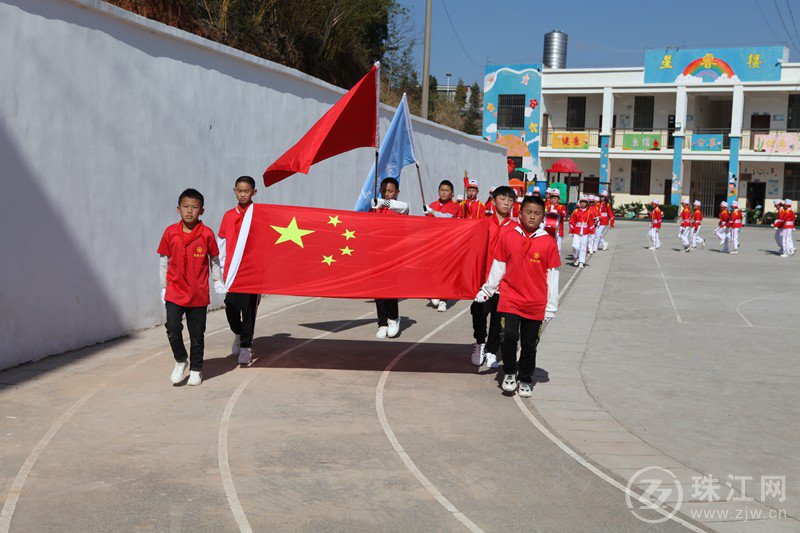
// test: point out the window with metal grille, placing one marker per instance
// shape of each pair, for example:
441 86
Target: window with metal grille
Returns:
576 112
517 164
791 181
643 113
591 185
511 111
640 176
793 113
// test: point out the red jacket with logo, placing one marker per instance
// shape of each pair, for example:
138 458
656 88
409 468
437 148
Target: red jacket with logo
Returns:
788 219
581 221
724 218
736 218
655 218
686 217
697 217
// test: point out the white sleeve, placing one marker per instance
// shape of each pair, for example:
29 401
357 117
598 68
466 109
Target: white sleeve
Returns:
495 277
552 291
163 265
216 271
439 214
398 207
221 246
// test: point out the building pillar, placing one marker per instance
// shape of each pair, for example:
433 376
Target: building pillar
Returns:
605 137
737 115
677 150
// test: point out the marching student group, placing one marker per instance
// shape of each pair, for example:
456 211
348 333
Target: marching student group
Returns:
520 289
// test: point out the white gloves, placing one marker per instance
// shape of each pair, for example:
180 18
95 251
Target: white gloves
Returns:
425 209
548 316
219 287
163 294
482 296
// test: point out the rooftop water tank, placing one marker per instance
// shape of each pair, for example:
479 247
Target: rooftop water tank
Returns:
555 49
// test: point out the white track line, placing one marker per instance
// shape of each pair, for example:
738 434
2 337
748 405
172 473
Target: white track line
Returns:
669 293
224 426
430 487
739 307
19 481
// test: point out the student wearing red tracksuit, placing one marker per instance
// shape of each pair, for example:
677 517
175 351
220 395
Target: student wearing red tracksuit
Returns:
581 225
388 205
736 224
697 221
655 226
525 271
594 207
684 233
472 208
778 225
444 207
486 348
560 209
787 228
606 219
723 226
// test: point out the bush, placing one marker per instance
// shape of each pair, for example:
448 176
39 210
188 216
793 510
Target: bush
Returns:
635 207
670 212
753 216
769 217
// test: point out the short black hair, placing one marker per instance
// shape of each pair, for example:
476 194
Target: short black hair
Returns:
387 181
194 194
504 190
532 200
245 179
448 183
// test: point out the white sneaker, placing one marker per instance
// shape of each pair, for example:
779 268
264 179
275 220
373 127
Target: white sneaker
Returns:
525 389
236 347
784 255
575 263
177 373
652 248
194 378
510 383
435 302
581 265
442 306
793 251
605 246
490 360
245 356
383 331
394 328
477 354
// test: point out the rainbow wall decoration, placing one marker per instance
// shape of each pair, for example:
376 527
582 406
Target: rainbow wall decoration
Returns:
714 65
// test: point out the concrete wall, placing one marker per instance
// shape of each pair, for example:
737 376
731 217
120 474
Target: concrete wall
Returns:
104 118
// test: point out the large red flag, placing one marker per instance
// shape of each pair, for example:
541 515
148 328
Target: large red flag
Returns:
305 251
350 123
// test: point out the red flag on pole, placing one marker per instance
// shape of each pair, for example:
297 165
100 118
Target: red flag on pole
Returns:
305 251
351 123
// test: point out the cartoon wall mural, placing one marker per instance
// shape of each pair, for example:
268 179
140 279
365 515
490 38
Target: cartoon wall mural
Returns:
714 65
520 80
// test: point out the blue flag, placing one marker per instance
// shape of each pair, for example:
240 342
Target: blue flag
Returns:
396 151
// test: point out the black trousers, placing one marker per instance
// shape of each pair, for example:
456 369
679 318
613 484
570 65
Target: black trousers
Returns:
525 331
480 313
196 324
387 310
241 309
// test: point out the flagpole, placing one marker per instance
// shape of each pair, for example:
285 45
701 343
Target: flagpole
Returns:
377 126
421 190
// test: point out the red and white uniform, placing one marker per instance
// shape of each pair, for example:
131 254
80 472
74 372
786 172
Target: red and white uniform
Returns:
697 221
684 232
449 209
228 235
473 209
656 216
787 230
722 228
686 217
581 225
496 231
735 224
188 269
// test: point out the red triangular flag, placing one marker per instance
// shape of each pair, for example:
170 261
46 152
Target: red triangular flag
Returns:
350 123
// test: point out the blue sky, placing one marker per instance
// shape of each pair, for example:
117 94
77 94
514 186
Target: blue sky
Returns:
601 32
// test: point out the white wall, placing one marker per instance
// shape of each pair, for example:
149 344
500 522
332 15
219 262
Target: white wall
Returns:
556 106
104 118
775 104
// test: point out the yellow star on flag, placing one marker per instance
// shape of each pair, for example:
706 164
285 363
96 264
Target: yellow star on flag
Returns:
349 234
347 251
291 233
334 221
328 259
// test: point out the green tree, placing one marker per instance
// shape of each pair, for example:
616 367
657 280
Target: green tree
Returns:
461 94
472 117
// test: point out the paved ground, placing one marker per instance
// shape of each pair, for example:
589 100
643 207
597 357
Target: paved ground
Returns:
332 429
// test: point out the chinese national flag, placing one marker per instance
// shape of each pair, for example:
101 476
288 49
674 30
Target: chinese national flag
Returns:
351 123
304 251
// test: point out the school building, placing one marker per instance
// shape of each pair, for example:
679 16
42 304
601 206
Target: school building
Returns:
699 124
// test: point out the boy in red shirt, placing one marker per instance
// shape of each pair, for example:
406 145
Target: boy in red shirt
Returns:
736 225
388 205
525 271
686 225
606 219
473 208
581 225
778 225
485 349
787 227
444 207
186 249
722 228
697 221
655 226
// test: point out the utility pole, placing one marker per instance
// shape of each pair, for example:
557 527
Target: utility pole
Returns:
426 60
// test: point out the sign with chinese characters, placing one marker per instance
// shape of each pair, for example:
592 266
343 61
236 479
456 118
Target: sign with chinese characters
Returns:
777 143
714 65
706 142
641 141
564 140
